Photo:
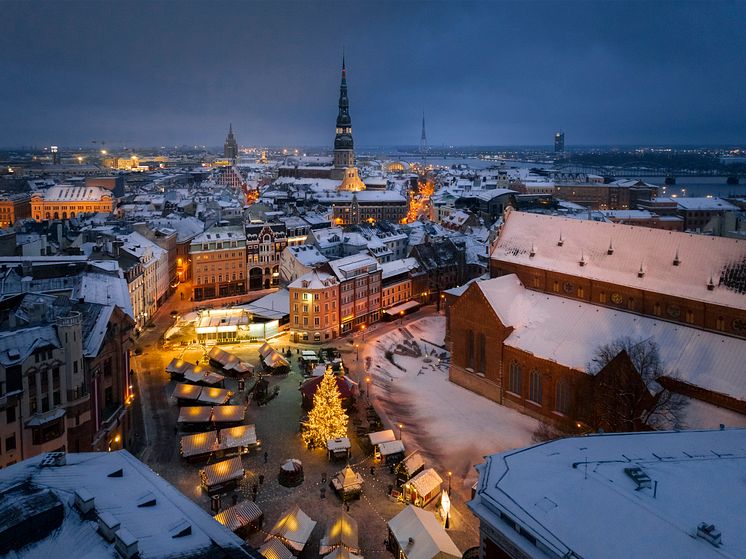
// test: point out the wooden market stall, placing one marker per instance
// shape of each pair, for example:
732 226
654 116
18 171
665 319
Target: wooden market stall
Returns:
274 549
191 394
218 444
221 475
339 448
348 484
291 473
422 488
391 452
242 519
195 374
293 529
416 533
195 418
341 532
229 363
409 467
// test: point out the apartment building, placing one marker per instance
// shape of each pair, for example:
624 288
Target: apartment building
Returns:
219 262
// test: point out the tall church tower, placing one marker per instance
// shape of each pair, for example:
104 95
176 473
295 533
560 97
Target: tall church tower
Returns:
230 148
344 154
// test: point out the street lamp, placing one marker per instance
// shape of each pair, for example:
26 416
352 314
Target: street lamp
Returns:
362 328
367 391
357 352
449 483
400 426
401 317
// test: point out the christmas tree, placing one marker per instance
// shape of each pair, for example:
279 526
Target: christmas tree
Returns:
327 420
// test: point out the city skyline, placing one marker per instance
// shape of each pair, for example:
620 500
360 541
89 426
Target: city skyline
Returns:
485 73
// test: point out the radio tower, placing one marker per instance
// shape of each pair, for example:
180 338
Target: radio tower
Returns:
423 141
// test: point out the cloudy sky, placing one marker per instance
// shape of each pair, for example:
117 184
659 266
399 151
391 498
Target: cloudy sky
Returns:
485 73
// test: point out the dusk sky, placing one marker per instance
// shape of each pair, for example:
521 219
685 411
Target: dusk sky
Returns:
491 73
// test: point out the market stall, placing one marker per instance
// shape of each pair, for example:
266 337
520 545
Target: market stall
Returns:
229 363
291 473
341 532
221 475
391 452
339 448
242 519
293 529
348 484
422 488
274 549
409 467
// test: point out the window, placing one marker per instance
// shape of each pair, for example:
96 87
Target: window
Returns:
10 442
10 415
534 387
482 353
555 287
690 317
470 349
515 378
562 397
721 323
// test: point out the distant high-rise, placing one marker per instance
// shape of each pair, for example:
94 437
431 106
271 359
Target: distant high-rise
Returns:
344 153
230 148
423 139
55 155
559 142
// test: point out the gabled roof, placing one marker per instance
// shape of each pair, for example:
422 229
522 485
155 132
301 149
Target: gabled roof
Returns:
700 257
421 536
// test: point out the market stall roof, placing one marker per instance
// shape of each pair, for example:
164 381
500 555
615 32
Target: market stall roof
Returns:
309 355
343 553
274 359
228 361
199 443
347 480
294 528
240 515
273 549
391 447
422 536
228 414
292 465
194 414
340 443
340 532
200 373
426 481
184 391
413 462
381 437
220 472
214 395
265 349
178 366
243 435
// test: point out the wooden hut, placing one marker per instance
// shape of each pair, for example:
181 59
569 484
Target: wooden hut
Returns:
242 519
339 448
347 484
341 532
422 488
221 475
293 529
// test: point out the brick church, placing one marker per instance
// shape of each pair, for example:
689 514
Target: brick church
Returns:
562 288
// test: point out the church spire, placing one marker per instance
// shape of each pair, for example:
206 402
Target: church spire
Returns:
344 156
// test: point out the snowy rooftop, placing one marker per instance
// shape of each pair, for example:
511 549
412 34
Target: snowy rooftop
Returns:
69 193
574 496
312 280
655 250
355 265
272 306
705 203
397 267
157 527
569 332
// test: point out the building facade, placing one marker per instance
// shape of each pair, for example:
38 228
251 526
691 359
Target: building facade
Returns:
66 201
14 207
264 245
314 308
219 263
359 278
692 280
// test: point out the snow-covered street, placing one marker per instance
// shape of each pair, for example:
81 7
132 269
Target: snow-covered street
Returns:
452 426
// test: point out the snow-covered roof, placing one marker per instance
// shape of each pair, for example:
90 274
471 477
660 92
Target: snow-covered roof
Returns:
574 496
421 536
294 528
17 346
570 332
353 266
120 497
397 267
69 193
313 280
655 250
307 255
705 203
426 482
341 531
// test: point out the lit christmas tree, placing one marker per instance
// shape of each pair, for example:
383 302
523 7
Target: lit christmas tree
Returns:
327 419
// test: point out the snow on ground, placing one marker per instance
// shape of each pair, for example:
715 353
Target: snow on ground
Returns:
453 427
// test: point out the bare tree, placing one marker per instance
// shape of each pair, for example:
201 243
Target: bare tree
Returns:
627 395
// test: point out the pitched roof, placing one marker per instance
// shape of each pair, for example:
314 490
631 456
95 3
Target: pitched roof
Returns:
699 257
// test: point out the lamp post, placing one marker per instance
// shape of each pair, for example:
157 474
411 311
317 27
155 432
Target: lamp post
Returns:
362 328
449 483
357 352
367 390
401 317
400 426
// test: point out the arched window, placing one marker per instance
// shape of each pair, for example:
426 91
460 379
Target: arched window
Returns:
534 387
470 349
562 397
515 379
482 353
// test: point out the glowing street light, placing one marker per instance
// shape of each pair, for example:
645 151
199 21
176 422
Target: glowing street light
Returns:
367 390
357 352
400 426
449 483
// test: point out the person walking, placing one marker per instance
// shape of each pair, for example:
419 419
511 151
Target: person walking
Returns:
266 456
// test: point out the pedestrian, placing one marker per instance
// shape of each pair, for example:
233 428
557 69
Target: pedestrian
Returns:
261 479
266 456
372 471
